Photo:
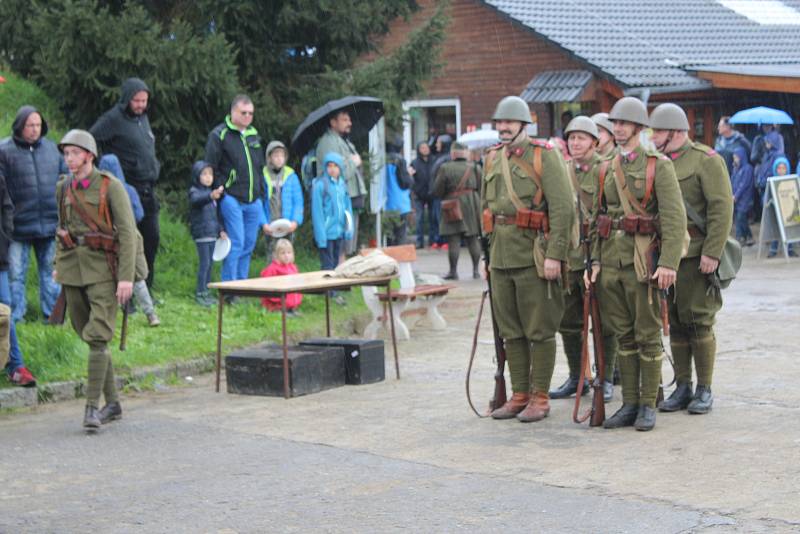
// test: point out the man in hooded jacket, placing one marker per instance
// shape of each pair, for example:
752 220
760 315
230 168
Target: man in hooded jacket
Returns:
31 165
124 130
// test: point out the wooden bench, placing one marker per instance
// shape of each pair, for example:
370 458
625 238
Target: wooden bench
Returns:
414 301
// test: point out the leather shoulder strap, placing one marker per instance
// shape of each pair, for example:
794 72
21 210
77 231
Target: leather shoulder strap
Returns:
463 181
81 210
629 202
602 183
650 178
103 211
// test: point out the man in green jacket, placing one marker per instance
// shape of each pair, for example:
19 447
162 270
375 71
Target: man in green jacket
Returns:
582 140
528 210
457 183
695 300
638 205
335 140
95 263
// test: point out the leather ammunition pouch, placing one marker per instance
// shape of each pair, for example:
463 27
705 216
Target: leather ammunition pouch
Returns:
100 241
604 224
488 221
533 219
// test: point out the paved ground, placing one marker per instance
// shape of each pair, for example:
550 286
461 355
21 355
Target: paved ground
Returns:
409 455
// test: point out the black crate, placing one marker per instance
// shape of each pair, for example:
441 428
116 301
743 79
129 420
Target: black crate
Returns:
363 358
259 371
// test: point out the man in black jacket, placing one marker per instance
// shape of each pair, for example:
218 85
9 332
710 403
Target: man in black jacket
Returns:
31 165
423 199
124 130
235 152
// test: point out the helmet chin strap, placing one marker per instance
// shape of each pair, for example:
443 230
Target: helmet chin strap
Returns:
513 139
663 147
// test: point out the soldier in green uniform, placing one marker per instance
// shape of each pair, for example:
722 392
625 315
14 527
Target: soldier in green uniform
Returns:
582 137
96 237
695 300
457 183
529 213
638 204
605 137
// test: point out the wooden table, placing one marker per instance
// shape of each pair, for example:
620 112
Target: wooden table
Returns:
279 286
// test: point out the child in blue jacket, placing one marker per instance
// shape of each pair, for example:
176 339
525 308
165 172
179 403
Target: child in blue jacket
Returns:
331 211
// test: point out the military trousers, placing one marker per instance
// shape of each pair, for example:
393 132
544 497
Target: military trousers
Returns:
631 310
528 310
571 328
693 306
93 312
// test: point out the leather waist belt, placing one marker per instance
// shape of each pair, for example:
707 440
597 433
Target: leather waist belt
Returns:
505 219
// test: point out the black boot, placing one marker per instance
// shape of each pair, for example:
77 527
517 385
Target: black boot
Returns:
569 388
679 399
110 412
452 275
625 416
608 391
645 419
91 421
702 400
476 274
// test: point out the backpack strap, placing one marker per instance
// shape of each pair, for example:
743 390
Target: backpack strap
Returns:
78 201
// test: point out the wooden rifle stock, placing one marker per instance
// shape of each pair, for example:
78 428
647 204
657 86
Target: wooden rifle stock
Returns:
59 309
123 334
597 413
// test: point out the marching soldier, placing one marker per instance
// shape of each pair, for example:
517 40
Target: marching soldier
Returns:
639 207
605 135
695 299
528 212
457 183
582 137
95 261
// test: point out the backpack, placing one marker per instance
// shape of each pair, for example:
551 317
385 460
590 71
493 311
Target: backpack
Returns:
308 169
396 167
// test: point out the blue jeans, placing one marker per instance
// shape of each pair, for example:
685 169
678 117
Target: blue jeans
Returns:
18 257
242 223
14 353
420 207
742 225
329 256
205 251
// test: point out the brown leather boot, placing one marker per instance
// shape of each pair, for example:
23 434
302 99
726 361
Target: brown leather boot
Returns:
537 409
511 408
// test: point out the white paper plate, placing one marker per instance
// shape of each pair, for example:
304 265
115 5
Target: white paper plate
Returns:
280 227
348 227
221 249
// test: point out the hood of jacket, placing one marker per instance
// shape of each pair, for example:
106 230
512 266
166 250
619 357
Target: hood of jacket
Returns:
775 140
778 161
19 123
743 156
130 87
110 163
197 169
333 157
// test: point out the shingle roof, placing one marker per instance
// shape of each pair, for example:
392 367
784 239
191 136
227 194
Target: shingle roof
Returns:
556 86
649 43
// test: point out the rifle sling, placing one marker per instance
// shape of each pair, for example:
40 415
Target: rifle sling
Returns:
461 183
695 217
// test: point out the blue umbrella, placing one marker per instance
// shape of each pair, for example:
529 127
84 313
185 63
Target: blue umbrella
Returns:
761 115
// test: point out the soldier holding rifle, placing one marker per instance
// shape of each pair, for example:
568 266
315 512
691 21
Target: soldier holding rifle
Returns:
95 261
528 212
638 239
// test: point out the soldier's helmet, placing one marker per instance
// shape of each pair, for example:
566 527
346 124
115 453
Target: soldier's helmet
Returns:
81 139
584 124
601 120
669 116
273 145
629 109
512 108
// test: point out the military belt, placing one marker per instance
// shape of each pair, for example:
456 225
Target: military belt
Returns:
505 219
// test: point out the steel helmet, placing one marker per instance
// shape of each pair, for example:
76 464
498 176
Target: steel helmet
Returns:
512 108
582 123
601 120
629 109
81 139
276 144
669 116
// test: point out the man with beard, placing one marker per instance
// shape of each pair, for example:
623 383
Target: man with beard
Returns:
528 212
708 198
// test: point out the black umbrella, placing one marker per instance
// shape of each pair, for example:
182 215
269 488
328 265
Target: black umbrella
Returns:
365 111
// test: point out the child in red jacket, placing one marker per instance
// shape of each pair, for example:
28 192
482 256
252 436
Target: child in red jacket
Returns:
283 263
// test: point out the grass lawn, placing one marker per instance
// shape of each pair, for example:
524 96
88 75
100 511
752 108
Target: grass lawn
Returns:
187 331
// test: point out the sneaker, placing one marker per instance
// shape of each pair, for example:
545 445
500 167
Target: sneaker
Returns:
152 319
435 246
22 377
443 247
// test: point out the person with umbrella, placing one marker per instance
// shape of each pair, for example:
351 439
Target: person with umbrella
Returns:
335 140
